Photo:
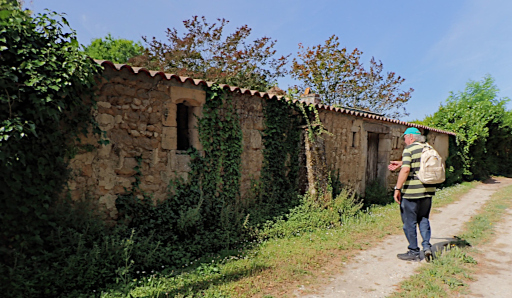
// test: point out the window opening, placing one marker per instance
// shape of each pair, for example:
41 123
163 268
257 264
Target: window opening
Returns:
182 129
354 137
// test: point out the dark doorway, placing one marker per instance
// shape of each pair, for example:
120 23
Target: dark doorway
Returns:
182 130
372 157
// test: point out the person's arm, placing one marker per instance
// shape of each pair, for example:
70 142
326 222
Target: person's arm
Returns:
402 177
394 164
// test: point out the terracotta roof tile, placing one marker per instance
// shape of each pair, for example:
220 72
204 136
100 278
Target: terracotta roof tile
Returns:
196 82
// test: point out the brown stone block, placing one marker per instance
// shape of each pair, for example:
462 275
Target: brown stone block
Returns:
259 123
150 188
119 189
86 158
78 195
144 85
116 100
108 90
128 167
134 133
142 93
169 138
125 181
117 80
132 116
163 88
157 95
142 127
144 117
146 143
87 170
112 112
194 97
103 191
105 121
154 118
159 167
125 90
255 139
156 179
169 114
182 163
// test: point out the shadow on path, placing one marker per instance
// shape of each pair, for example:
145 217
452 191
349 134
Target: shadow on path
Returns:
439 247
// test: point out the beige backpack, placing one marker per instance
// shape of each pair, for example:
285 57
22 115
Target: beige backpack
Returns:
432 170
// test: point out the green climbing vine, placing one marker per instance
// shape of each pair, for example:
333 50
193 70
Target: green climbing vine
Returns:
280 171
201 214
313 123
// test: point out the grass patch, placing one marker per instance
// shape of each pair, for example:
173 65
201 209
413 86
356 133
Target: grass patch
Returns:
449 273
286 256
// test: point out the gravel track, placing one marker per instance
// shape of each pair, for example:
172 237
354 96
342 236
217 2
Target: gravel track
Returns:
376 272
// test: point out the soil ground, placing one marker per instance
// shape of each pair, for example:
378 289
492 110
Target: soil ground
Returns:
376 272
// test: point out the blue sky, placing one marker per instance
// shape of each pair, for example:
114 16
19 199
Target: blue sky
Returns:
437 46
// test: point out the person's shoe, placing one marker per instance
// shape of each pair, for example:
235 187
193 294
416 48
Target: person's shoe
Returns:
428 254
409 256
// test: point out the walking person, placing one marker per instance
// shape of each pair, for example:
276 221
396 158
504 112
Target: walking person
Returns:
414 197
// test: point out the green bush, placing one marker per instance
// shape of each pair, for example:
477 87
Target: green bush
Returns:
313 214
377 194
484 132
47 246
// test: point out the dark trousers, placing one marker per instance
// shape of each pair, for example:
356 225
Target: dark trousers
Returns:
415 212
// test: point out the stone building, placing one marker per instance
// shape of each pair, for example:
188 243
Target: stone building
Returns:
150 120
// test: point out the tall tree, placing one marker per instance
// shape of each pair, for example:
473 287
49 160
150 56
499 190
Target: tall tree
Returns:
44 83
484 131
342 80
117 50
205 52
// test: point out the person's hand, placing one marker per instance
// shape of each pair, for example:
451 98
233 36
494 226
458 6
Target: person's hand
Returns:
394 165
398 196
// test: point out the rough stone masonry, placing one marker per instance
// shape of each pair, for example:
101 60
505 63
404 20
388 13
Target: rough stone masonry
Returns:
138 110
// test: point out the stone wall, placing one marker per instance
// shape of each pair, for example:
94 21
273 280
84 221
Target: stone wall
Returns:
138 113
347 147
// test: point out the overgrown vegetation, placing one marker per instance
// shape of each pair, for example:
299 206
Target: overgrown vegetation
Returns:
277 190
377 194
44 83
202 214
483 126
285 254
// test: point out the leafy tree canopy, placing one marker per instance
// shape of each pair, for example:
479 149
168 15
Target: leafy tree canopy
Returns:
483 126
43 81
116 50
205 52
342 80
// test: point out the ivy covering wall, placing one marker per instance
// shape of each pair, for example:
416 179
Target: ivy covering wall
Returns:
280 173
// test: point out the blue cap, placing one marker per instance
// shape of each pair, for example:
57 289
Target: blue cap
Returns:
412 131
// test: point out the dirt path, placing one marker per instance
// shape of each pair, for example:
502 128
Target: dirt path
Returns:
376 272
494 278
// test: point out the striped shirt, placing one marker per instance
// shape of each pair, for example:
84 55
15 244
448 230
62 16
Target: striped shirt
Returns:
413 188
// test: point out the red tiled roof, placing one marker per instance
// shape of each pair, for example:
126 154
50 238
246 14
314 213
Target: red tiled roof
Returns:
196 82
